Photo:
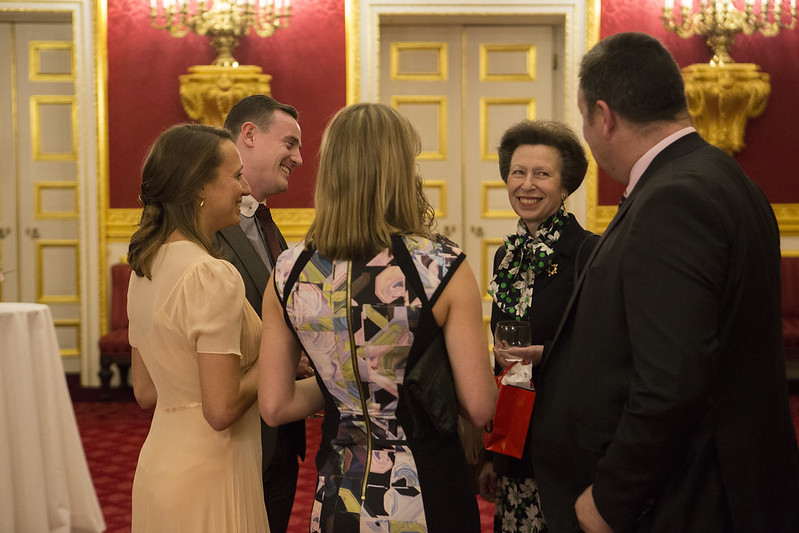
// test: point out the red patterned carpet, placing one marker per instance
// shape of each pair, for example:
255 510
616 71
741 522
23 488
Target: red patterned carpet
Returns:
112 435
113 432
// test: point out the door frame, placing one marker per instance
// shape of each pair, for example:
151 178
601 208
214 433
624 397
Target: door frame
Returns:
88 30
579 20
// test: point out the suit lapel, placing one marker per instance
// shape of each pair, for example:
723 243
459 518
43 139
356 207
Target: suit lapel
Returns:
619 215
240 245
675 150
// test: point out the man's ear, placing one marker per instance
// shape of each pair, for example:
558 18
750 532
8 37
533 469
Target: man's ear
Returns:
247 134
604 113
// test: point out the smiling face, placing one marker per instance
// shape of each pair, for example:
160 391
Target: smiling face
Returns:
222 195
270 155
534 183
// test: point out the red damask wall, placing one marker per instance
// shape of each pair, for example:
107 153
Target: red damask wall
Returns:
771 154
306 62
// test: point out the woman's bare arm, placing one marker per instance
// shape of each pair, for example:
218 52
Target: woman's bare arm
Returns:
282 398
459 311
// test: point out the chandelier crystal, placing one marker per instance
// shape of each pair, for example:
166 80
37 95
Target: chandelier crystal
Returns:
224 21
720 21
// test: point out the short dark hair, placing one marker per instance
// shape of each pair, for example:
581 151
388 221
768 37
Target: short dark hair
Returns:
547 133
258 109
636 76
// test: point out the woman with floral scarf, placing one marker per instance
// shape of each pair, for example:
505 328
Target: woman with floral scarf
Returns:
542 163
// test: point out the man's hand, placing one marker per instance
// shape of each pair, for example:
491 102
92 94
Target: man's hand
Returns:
507 355
304 369
487 482
588 515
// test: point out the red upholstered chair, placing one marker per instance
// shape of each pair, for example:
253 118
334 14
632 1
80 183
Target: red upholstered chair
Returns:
790 314
114 346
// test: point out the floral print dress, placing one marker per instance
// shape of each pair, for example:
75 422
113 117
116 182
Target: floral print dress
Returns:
356 322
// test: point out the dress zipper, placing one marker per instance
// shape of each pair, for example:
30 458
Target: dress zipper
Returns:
354 359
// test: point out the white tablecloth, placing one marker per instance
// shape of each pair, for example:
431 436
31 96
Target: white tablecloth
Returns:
45 484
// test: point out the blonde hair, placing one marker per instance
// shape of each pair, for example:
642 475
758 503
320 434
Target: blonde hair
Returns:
367 186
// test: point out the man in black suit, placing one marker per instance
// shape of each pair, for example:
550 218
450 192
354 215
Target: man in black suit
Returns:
662 402
268 138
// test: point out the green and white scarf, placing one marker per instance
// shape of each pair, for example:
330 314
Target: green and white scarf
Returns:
526 256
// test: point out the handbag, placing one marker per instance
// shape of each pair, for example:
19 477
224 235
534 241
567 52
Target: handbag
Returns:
432 400
507 432
431 386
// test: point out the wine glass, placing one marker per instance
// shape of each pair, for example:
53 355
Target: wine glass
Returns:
512 333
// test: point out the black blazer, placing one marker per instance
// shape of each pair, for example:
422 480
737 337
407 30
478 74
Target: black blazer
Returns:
665 386
241 253
551 293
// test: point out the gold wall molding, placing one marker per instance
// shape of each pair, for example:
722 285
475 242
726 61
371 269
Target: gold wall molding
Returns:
208 92
530 62
41 246
40 190
440 51
440 186
62 324
440 103
787 218
121 223
38 104
596 217
488 153
40 48
485 268
293 222
498 187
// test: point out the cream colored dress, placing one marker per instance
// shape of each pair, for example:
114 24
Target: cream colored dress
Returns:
191 478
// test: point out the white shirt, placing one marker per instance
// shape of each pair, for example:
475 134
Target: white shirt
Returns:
253 230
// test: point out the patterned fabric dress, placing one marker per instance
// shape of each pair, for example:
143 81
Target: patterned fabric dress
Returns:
356 321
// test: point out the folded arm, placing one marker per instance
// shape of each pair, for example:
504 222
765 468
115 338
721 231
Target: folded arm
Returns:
283 398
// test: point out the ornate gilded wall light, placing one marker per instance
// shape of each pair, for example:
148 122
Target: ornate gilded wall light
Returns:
722 95
209 91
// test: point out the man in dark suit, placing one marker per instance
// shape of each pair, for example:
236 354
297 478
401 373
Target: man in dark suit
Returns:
662 402
268 138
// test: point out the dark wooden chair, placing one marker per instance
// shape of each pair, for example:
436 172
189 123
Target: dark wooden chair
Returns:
790 314
114 345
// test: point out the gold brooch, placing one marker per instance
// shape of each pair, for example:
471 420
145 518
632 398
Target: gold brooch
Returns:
553 269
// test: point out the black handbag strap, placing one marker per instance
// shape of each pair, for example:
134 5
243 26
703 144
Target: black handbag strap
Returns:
299 264
405 262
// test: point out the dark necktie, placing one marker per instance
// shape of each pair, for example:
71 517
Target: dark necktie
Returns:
264 217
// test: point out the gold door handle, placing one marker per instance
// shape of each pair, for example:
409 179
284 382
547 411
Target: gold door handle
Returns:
4 232
477 230
33 232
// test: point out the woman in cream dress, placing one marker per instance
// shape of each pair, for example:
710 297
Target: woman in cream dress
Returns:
195 344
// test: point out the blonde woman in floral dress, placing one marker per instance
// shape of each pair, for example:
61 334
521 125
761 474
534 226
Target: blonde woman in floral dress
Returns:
360 296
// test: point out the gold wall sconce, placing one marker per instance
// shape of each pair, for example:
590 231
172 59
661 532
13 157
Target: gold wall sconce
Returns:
208 92
722 94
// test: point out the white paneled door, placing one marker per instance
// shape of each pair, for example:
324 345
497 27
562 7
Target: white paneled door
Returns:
39 196
462 86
